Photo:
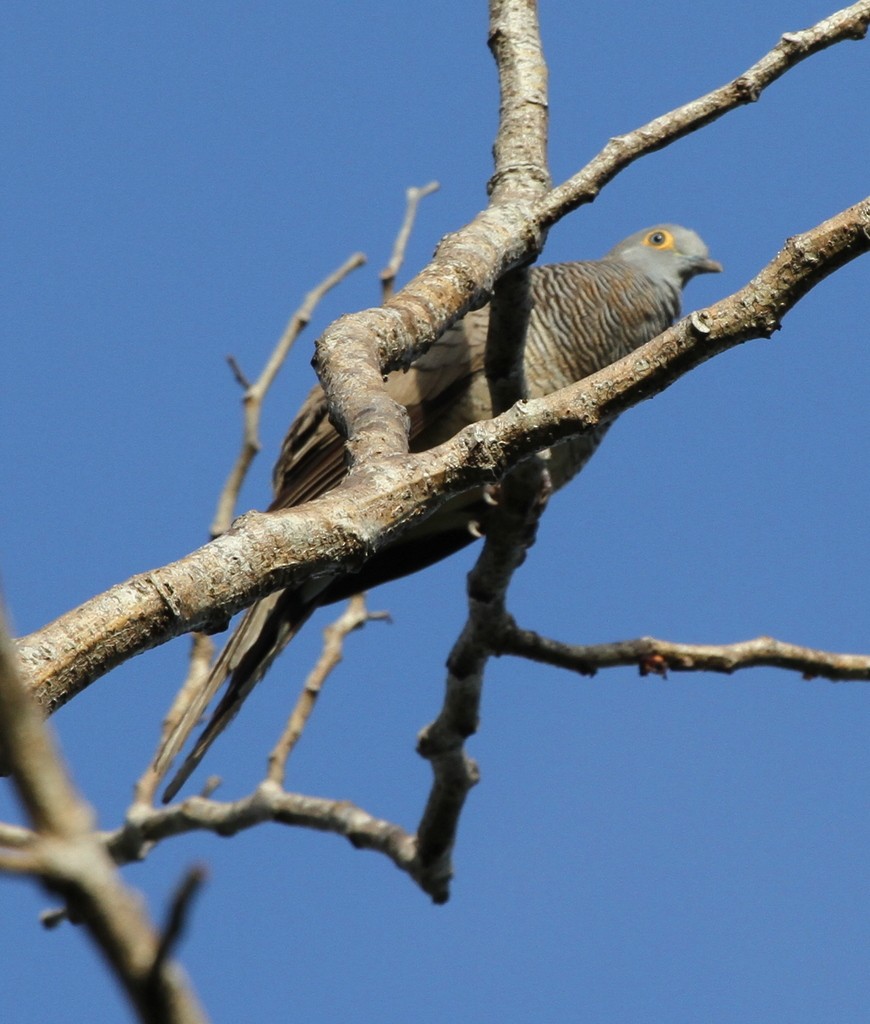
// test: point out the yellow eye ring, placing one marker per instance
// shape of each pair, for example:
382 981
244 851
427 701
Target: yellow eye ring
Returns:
660 239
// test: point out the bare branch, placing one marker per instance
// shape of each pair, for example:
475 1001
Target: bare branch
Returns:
521 172
622 151
657 657
361 347
355 616
413 197
256 392
18 862
520 149
238 373
40 780
179 911
15 836
264 552
268 803
72 862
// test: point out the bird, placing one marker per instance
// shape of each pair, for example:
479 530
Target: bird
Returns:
584 316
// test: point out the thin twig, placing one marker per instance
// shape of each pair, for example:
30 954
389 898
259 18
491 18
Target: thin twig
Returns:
657 657
256 392
53 918
413 197
202 650
179 912
238 373
355 616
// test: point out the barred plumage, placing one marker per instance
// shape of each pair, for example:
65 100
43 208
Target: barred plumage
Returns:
584 316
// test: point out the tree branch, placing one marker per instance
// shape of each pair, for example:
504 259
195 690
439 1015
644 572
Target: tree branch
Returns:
658 657
72 862
520 173
622 151
269 802
355 616
264 552
256 392
413 197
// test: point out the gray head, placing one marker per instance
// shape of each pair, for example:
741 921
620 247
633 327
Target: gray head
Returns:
666 253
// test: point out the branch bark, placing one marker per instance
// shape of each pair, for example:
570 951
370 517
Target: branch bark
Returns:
520 173
658 657
264 552
71 861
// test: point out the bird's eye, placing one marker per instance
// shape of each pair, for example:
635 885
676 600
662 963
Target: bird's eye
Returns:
659 240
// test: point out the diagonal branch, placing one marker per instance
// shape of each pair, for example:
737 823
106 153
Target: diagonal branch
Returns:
620 152
355 616
256 392
71 861
263 552
413 197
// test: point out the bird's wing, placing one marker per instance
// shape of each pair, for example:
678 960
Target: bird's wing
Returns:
267 627
312 459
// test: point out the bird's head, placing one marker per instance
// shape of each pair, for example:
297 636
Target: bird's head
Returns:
666 252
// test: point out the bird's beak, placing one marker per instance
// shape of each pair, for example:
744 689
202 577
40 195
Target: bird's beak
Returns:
708 266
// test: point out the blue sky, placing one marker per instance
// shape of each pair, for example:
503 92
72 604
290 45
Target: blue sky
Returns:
176 177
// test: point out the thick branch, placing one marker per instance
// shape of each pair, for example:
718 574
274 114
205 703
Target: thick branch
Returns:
521 172
520 149
72 862
264 552
360 347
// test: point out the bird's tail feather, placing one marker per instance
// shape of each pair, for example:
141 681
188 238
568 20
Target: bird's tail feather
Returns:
266 629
